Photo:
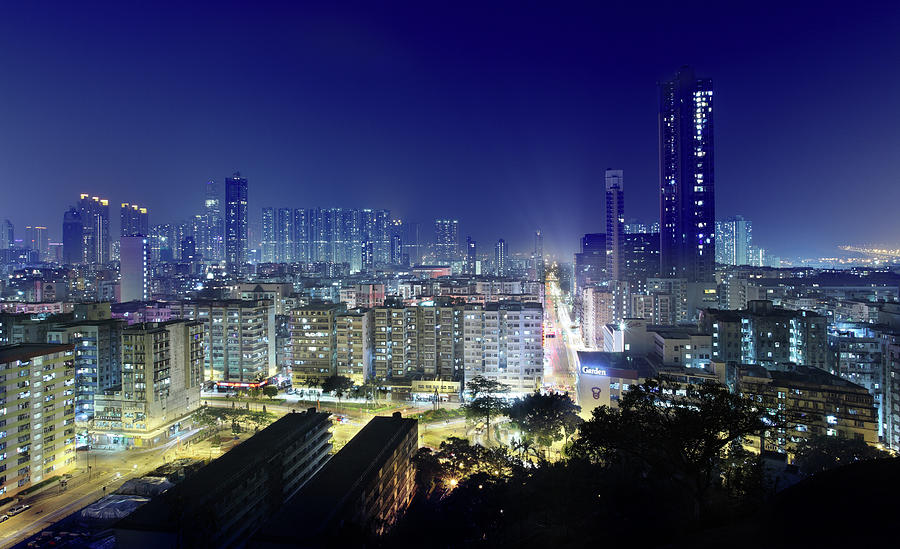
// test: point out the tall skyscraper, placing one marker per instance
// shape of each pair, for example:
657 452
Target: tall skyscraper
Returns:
38 239
134 220
267 246
7 235
301 235
500 258
471 256
284 236
236 222
397 250
188 249
734 241
446 240
686 178
212 243
73 237
412 242
95 216
615 224
134 269
538 255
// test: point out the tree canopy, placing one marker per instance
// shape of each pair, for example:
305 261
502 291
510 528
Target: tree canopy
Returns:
339 386
823 452
545 417
670 431
486 400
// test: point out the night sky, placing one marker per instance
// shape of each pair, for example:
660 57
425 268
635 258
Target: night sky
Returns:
504 117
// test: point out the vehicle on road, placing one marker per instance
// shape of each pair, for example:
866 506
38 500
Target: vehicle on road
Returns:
18 509
4 518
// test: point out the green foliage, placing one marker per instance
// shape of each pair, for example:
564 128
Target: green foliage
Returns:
458 460
270 391
669 431
486 400
440 414
313 382
545 418
823 452
743 474
339 386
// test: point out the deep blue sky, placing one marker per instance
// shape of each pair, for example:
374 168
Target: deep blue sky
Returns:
503 116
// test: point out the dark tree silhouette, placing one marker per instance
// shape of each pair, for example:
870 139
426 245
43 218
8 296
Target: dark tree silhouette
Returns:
823 452
671 431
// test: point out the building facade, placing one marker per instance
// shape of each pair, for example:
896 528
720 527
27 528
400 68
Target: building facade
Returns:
504 342
687 178
238 338
236 236
38 418
161 377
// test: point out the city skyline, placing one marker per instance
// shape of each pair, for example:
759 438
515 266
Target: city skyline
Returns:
527 275
520 115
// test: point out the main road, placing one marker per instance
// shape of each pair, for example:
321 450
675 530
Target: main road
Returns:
561 341
98 473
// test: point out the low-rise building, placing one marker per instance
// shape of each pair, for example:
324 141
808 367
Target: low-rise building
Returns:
362 490
811 401
602 378
767 335
223 503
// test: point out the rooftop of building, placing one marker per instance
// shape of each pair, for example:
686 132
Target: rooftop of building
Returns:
162 513
209 302
632 361
26 351
677 332
800 375
81 323
760 310
505 306
341 479
152 326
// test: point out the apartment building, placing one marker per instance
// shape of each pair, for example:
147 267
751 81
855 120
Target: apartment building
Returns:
37 420
238 338
504 342
162 366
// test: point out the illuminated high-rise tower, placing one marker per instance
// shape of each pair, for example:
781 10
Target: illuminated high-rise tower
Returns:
446 240
615 225
134 220
734 241
284 235
500 258
236 222
95 216
538 255
212 238
267 246
471 256
73 237
686 178
7 235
